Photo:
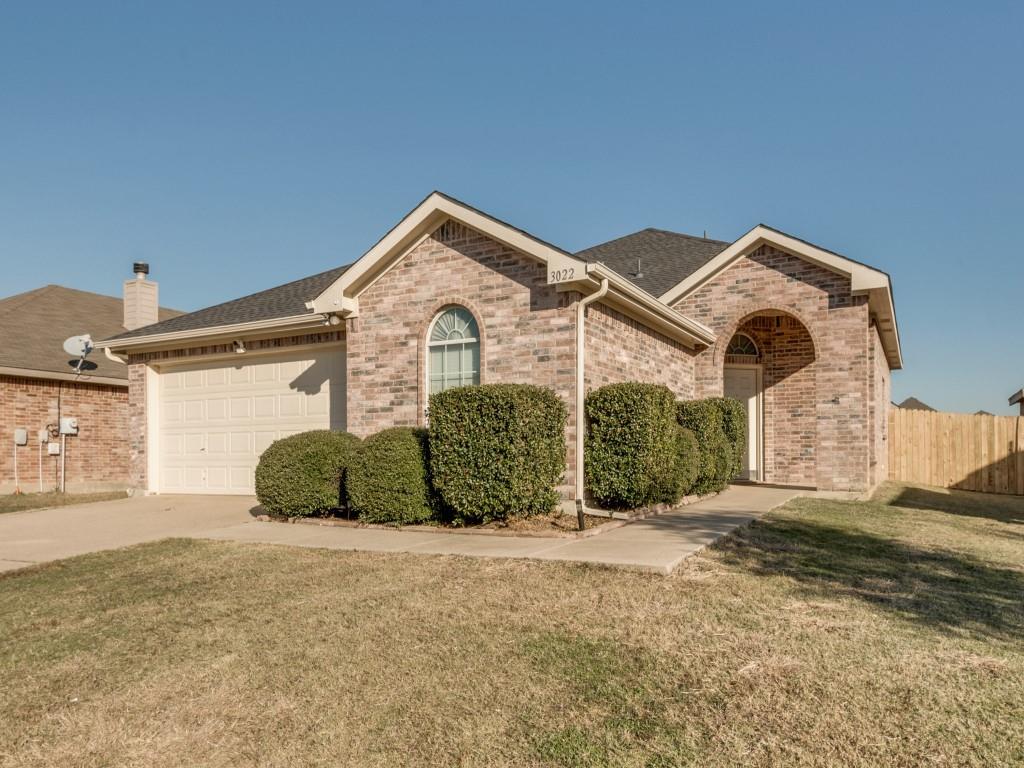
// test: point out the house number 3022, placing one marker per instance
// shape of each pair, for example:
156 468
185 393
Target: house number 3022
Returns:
561 275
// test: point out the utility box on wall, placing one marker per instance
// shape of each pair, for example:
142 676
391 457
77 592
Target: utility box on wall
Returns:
21 437
68 425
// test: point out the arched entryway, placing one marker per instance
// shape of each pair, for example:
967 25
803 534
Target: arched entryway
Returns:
769 366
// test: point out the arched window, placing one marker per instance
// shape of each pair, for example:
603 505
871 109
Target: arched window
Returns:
741 345
453 350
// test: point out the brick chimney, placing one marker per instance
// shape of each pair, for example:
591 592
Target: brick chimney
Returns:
141 305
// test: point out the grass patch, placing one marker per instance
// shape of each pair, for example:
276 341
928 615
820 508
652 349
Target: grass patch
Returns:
829 633
22 501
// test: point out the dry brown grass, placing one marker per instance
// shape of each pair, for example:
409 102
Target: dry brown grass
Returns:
18 502
831 633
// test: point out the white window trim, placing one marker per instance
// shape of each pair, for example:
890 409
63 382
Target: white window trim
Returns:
431 344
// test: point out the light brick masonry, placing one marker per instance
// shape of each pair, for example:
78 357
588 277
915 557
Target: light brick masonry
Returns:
821 315
825 378
97 458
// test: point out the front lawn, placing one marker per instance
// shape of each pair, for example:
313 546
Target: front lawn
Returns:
16 502
830 633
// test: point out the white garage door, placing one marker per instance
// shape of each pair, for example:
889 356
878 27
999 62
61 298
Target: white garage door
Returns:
217 418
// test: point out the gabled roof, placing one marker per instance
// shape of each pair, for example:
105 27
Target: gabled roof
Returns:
864 280
561 266
665 258
34 325
284 301
913 404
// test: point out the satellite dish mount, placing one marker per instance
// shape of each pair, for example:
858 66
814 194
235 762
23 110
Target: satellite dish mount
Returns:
80 347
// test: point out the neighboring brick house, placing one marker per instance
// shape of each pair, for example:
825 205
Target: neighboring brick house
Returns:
804 337
39 384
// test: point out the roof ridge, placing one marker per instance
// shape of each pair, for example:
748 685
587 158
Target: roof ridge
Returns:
686 235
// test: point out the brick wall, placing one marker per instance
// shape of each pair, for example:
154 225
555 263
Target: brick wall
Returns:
769 279
96 459
527 328
789 375
622 349
880 398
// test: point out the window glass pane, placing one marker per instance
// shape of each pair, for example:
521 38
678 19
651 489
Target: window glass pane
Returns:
453 324
436 361
453 359
471 357
453 352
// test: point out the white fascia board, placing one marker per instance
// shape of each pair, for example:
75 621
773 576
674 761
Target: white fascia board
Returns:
84 378
863 279
650 310
424 219
235 330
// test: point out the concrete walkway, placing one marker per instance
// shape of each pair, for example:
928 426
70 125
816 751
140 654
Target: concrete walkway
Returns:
657 544
41 535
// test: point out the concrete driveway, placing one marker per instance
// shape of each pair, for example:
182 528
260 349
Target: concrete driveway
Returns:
41 535
656 544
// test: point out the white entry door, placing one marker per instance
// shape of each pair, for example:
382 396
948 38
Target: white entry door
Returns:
743 383
217 418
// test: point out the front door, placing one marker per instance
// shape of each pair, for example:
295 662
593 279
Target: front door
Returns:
743 383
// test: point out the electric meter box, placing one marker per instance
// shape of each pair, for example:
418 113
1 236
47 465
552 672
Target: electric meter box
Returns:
69 425
43 435
21 437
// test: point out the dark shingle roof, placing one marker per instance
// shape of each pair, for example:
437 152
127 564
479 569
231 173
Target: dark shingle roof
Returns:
34 325
913 404
665 257
286 300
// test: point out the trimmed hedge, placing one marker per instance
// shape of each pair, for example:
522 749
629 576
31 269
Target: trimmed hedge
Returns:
633 446
497 450
686 466
734 424
720 458
389 481
304 474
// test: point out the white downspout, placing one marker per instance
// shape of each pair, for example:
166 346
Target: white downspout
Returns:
114 358
581 355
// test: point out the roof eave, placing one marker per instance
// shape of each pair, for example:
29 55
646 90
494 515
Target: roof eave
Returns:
650 310
864 280
234 330
83 378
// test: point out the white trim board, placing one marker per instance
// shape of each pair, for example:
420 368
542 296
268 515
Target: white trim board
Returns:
864 280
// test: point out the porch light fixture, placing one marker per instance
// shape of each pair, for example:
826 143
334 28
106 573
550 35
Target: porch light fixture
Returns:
239 346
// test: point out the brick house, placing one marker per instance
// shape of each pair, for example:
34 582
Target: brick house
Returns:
40 383
806 338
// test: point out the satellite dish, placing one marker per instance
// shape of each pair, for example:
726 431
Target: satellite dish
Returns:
78 346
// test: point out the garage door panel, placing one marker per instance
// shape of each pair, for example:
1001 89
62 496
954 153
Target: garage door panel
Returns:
217 420
216 409
241 443
290 406
240 479
264 406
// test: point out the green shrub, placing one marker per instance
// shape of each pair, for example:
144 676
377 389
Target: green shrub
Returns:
304 474
497 451
734 424
715 466
633 446
389 481
685 468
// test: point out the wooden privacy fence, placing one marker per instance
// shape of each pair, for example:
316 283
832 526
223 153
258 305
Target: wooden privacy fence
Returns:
957 450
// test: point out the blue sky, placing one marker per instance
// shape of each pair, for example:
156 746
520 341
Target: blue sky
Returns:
236 146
